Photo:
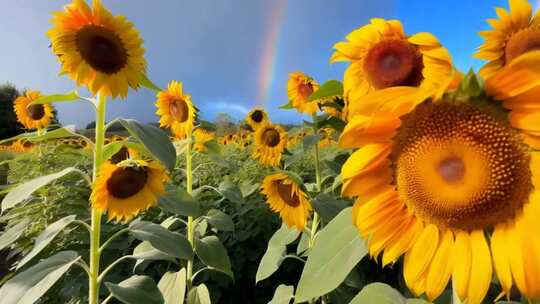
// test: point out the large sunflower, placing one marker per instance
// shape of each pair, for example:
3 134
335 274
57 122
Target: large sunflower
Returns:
36 116
285 197
96 49
383 56
270 141
299 88
435 179
176 111
514 33
256 118
127 188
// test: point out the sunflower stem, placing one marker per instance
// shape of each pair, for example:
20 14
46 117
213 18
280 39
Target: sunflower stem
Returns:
315 223
190 225
93 290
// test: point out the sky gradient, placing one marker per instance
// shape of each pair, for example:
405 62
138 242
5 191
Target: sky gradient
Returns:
231 55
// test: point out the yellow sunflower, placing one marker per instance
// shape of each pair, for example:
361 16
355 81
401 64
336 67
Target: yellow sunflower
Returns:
270 141
256 118
202 136
514 33
299 88
98 50
383 56
285 197
36 116
176 111
435 180
127 188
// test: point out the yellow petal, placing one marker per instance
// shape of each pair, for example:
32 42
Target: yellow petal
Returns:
362 130
424 38
501 261
402 242
481 268
441 267
364 158
462 264
418 258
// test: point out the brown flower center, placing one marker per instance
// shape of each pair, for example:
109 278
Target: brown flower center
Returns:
287 195
101 48
271 137
305 89
522 42
35 111
126 182
460 166
393 62
257 116
179 110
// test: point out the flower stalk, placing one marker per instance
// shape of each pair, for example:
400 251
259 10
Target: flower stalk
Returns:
318 179
190 225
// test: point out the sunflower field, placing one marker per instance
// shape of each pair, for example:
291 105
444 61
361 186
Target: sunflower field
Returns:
411 183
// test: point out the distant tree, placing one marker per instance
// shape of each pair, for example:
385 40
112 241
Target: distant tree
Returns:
91 125
9 126
224 124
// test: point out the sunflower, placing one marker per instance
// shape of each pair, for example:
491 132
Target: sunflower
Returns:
270 141
514 33
202 136
37 116
98 50
176 111
256 118
435 180
284 196
382 56
123 154
127 188
299 88
22 146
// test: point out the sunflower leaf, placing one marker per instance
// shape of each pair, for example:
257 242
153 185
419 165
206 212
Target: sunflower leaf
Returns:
379 293
136 290
199 295
212 252
220 220
171 243
328 89
176 200
173 286
282 295
275 253
287 106
147 83
71 96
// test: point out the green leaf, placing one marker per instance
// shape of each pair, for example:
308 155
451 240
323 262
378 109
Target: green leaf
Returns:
287 106
248 188
328 206
46 237
147 83
303 244
176 200
23 191
416 301
273 257
337 249
111 149
173 286
220 220
293 175
378 293
199 295
231 192
282 295
213 254
28 286
12 234
145 251
154 140
171 243
212 147
67 131
328 89
310 141
136 290
332 122
71 96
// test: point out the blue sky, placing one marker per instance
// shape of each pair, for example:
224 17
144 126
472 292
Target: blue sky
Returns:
215 46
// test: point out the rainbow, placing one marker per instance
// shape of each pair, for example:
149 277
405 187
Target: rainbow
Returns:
270 50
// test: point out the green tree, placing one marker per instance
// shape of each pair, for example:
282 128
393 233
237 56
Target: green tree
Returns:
8 123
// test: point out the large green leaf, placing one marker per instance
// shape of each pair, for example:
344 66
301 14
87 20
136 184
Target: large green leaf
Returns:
145 252
173 286
67 131
337 249
220 220
199 295
176 200
212 252
273 257
379 293
282 295
136 290
28 286
71 96
328 206
46 237
147 83
154 140
231 192
329 89
12 234
23 191
171 243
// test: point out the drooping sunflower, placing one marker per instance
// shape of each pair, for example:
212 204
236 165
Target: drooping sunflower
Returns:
514 33
98 50
256 118
176 110
435 180
270 141
284 196
35 116
123 154
202 136
127 188
383 56
299 88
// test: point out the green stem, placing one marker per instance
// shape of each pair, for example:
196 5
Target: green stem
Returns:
315 223
190 225
93 290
